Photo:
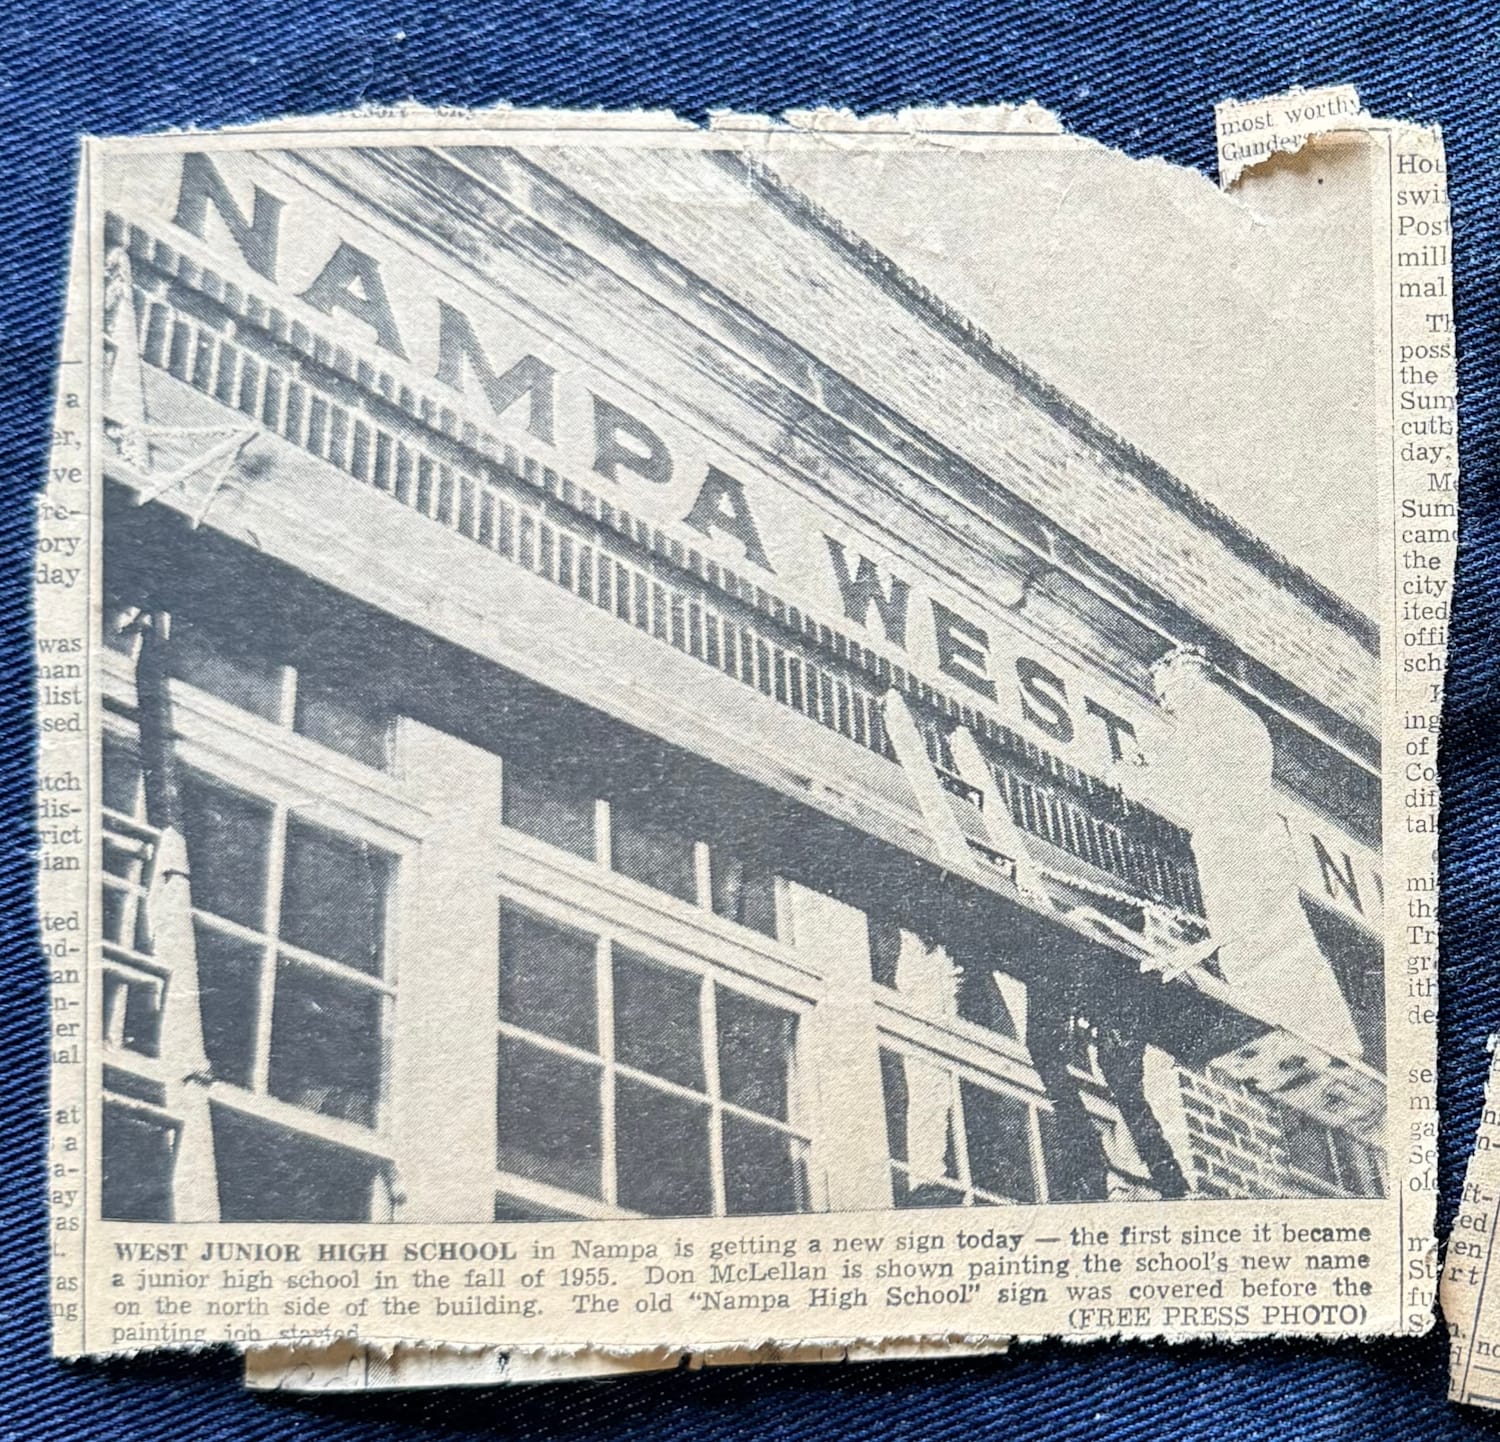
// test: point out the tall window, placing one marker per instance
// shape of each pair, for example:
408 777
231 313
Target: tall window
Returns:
290 922
642 1086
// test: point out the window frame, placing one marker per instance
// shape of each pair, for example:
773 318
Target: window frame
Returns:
957 1069
602 861
287 678
617 920
290 773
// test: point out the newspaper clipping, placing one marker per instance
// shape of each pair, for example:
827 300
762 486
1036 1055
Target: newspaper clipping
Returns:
660 740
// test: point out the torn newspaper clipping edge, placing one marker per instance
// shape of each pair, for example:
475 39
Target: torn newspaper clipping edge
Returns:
1466 1292
351 592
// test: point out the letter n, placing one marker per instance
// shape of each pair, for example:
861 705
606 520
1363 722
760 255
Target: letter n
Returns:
257 238
1337 879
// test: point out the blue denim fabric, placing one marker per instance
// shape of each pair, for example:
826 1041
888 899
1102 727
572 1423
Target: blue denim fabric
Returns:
1131 73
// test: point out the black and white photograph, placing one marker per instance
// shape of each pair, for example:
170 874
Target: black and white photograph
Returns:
647 680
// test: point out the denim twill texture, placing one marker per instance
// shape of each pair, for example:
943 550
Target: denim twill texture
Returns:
1134 75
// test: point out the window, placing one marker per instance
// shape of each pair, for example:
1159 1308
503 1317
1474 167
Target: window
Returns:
1337 1159
640 1085
968 985
954 1140
138 1149
743 890
289 923
324 702
267 1174
290 928
229 667
342 718
552 802
648 846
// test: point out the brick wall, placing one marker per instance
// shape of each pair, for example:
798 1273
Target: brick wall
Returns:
1011 427
1242 1145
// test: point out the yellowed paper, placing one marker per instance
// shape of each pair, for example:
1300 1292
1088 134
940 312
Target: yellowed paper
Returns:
662 791
349 1366
1466 1292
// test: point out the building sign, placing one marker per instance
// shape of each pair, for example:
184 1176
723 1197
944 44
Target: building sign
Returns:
543 384
587 415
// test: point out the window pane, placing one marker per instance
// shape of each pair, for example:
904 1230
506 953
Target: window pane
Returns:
228 668
764 1170
998 1129
270 1174
981 1000
548 979
923 1194
1356 1174
919 1115
893 1084
333 897
1308 1145
132 1013
228 1002
649 849
744 891
755 1054
137 1180
657 1021
121 781
124 857
548 1117
662 1152
885 950
325 1043
344 721
115 904
548 803
228 840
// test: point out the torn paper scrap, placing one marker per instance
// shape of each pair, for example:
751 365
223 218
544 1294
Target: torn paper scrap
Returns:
1466 1292
671 741
1249 132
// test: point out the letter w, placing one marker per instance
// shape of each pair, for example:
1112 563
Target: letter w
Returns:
864 588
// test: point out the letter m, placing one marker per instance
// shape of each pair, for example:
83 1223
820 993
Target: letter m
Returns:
257 238
863 589
459 349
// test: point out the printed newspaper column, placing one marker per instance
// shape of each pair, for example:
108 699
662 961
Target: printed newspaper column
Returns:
1420 504
1424 497
65 783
